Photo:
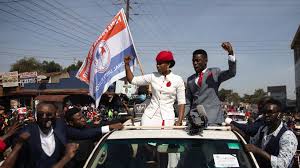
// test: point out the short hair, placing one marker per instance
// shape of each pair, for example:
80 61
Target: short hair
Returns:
70 113
274 101
47 103
200 51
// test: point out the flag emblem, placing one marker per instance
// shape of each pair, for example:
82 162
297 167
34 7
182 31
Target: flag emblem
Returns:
102 56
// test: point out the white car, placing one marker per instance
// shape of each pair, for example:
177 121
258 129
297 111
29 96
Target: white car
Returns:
155 148
237 117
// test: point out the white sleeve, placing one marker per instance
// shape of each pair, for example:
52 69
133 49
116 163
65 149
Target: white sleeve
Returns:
231 58
181 92
105 129
142 80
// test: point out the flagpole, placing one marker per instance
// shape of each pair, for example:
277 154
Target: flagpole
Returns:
137 58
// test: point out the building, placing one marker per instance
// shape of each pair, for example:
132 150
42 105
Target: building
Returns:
56 87
278 93
296 47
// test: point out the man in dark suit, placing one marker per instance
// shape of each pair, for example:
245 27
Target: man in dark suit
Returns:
77 122
202 87
46 144
48 137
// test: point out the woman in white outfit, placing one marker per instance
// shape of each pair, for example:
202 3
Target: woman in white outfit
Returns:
166 87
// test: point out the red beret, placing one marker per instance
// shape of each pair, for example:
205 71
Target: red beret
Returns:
165 56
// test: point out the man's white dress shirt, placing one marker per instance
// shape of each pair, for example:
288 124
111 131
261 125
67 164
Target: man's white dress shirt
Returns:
48 142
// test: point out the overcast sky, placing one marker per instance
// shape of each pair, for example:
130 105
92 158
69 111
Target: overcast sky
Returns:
261 32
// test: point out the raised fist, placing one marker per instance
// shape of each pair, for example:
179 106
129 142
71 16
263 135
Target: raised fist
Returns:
127 59
227 47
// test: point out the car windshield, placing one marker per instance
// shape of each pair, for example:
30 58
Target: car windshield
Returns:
180 153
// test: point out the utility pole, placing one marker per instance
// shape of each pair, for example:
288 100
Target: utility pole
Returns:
127 18
127 10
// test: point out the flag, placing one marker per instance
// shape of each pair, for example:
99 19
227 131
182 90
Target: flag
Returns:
104 63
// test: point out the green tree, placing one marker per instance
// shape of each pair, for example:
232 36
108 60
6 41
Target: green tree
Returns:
51 67
247 98
26 65
258 94
255 97
74 67
224 94
229 96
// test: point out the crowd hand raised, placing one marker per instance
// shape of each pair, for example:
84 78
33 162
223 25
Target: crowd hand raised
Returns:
12 130
127 59
23 137
71 149
227 47
116 126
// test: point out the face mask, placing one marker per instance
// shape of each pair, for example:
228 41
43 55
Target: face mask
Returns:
142 97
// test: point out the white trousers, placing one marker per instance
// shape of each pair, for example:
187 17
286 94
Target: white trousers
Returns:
156 120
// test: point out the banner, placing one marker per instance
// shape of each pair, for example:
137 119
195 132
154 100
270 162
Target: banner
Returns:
104 63
10 79
27 77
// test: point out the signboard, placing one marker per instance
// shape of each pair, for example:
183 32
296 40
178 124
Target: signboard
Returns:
10 79
27 77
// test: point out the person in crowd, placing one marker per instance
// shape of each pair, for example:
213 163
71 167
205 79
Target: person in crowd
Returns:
249 130
71 151
12 157
274 144
10 132
142 95
141 101
76 120
166 88
202 87
3 120
48 137
46 144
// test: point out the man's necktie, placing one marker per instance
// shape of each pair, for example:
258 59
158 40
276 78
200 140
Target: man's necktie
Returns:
200 79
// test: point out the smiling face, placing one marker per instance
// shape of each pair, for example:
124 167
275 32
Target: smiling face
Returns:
199 62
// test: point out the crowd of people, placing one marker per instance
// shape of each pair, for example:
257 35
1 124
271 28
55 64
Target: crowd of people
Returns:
51 141
48 140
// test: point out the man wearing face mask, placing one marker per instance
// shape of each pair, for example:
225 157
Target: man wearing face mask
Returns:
203 86
274 145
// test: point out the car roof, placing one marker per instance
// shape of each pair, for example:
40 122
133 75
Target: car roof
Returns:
171 134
